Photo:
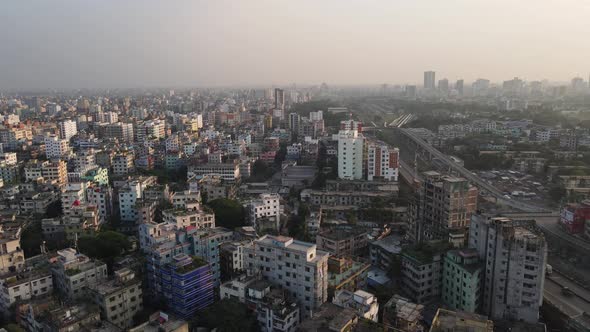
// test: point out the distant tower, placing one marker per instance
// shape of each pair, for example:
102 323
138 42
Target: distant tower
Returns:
459 87
429 80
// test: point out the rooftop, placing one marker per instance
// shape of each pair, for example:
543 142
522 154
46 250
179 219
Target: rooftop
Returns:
459 321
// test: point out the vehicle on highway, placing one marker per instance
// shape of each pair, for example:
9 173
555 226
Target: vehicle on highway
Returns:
549 269
566 291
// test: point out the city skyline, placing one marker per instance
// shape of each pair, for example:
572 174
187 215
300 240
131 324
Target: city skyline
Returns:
225 43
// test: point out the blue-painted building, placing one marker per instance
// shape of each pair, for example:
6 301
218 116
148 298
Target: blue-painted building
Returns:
186 284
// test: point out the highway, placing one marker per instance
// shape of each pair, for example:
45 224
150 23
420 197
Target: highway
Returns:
573 305
474 179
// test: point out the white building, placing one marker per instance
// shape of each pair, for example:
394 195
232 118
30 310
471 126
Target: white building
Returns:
73 195
364 303
56 148
350 154
515 256
267 206
227 171
296 266
67 129
22 286
382 162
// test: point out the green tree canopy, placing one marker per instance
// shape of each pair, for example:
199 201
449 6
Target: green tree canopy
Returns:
228 213
227 315
105 246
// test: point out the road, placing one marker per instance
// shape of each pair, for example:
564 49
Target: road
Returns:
474 179
572 305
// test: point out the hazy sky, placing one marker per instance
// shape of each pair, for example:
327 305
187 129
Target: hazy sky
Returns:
131 43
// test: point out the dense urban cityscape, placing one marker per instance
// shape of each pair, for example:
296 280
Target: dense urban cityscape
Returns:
441 207
294 166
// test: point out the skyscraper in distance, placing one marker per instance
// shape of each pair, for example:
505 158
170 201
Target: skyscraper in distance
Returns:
429 80
279 99
459 87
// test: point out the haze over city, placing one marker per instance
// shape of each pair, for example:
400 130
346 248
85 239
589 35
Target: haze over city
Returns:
295 166
90 44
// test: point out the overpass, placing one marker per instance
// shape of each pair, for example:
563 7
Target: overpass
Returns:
465 173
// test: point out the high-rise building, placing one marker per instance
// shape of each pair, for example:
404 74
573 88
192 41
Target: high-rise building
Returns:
429 80
515 257
382 162
443 209
294 120
443 85
67 129
459 87
296 266
480 87
279 99
351 144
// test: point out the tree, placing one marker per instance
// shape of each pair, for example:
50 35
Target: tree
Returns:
228 213
31 239
105 246
227 315
261 171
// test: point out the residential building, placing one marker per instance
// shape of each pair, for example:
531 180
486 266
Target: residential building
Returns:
12 257
266 207
422 271
56 148
382 162
296 266
24 285
231 258
67 129
346 273
364 303
350 154
276 312
206 243
443 209
182 217
462 280
447 320
162 322
74 273
515 257
121 131
386 251
119 299
123 163
186 284
343 241
402 314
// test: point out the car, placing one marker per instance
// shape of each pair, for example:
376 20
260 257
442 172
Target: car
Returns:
566 291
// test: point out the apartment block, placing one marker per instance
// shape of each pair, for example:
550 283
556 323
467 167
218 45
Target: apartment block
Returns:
342 241
382 162
119 299
443 210
74 273
515 256
186 284
296 266
462 280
